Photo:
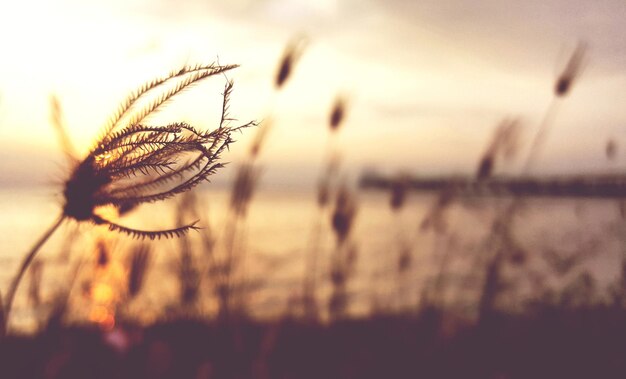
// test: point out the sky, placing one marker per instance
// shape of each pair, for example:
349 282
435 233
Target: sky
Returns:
426 81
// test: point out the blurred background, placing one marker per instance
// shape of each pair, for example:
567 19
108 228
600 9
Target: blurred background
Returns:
421 87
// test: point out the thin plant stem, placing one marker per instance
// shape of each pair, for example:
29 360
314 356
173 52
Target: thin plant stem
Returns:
540 136
505 218
25 263
228 265
309 296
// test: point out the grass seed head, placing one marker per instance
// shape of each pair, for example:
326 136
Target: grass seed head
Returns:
292 53
571 71
504 145
337 113
343 214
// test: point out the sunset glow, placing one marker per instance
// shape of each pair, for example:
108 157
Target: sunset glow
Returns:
416 82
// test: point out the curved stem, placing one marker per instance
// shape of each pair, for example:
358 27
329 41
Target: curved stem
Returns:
25 263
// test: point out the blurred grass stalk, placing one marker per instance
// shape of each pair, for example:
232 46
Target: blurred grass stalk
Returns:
500 242
326 180
233 281
343 258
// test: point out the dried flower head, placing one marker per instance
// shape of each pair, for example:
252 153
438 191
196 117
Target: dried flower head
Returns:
138 163
134 163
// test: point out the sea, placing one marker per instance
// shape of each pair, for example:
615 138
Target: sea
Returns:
565 249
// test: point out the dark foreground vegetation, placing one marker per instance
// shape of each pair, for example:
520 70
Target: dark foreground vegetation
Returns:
587 343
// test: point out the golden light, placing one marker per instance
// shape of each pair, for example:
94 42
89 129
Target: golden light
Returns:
104 158
102 316
104 293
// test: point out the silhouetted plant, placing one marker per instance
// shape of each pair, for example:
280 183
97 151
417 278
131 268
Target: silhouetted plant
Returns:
501 241
292 53
133 163
343 258
503 146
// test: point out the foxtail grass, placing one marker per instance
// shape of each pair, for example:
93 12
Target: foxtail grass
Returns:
291 55
501 242
563 86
